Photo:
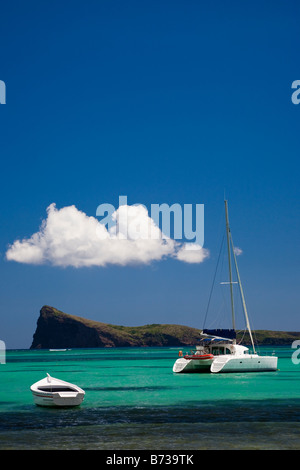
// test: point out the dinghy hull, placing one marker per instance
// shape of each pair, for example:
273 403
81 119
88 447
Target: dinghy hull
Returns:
58 399
55 392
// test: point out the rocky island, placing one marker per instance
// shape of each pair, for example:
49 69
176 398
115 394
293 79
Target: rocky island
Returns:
59 330
56 329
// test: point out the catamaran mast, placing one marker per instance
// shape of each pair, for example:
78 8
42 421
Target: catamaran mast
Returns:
229 264
230 241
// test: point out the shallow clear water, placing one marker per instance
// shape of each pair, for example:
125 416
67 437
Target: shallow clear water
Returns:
134 401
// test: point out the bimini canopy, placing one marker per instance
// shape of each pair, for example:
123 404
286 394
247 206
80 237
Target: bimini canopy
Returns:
220 333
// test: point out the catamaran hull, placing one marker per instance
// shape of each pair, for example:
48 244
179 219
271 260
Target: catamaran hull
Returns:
253 363
192 365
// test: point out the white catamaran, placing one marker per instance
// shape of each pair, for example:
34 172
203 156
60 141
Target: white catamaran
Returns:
218 351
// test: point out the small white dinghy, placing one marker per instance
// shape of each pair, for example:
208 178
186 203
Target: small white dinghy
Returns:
54 392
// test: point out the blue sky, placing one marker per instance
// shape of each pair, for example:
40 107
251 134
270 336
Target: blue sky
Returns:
165 102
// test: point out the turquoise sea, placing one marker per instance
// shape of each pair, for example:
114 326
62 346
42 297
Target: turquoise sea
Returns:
134 401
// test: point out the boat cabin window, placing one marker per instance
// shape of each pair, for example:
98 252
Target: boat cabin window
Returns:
216 351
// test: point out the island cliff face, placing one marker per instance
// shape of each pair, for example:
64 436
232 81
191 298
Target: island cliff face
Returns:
59 330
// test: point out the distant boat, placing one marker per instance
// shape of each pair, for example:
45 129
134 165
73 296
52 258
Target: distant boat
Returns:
218 351
54 392
57 349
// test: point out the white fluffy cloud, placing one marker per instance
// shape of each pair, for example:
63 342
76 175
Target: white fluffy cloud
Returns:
192 253
69 237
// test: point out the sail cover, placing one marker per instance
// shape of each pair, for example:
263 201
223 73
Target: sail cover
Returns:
223 333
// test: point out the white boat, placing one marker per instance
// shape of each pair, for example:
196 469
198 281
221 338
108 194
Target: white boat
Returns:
55 392
220 354
218 351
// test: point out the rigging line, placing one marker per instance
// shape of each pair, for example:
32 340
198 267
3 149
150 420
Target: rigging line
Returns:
256 342
252 331
242 338
242 295
212 287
